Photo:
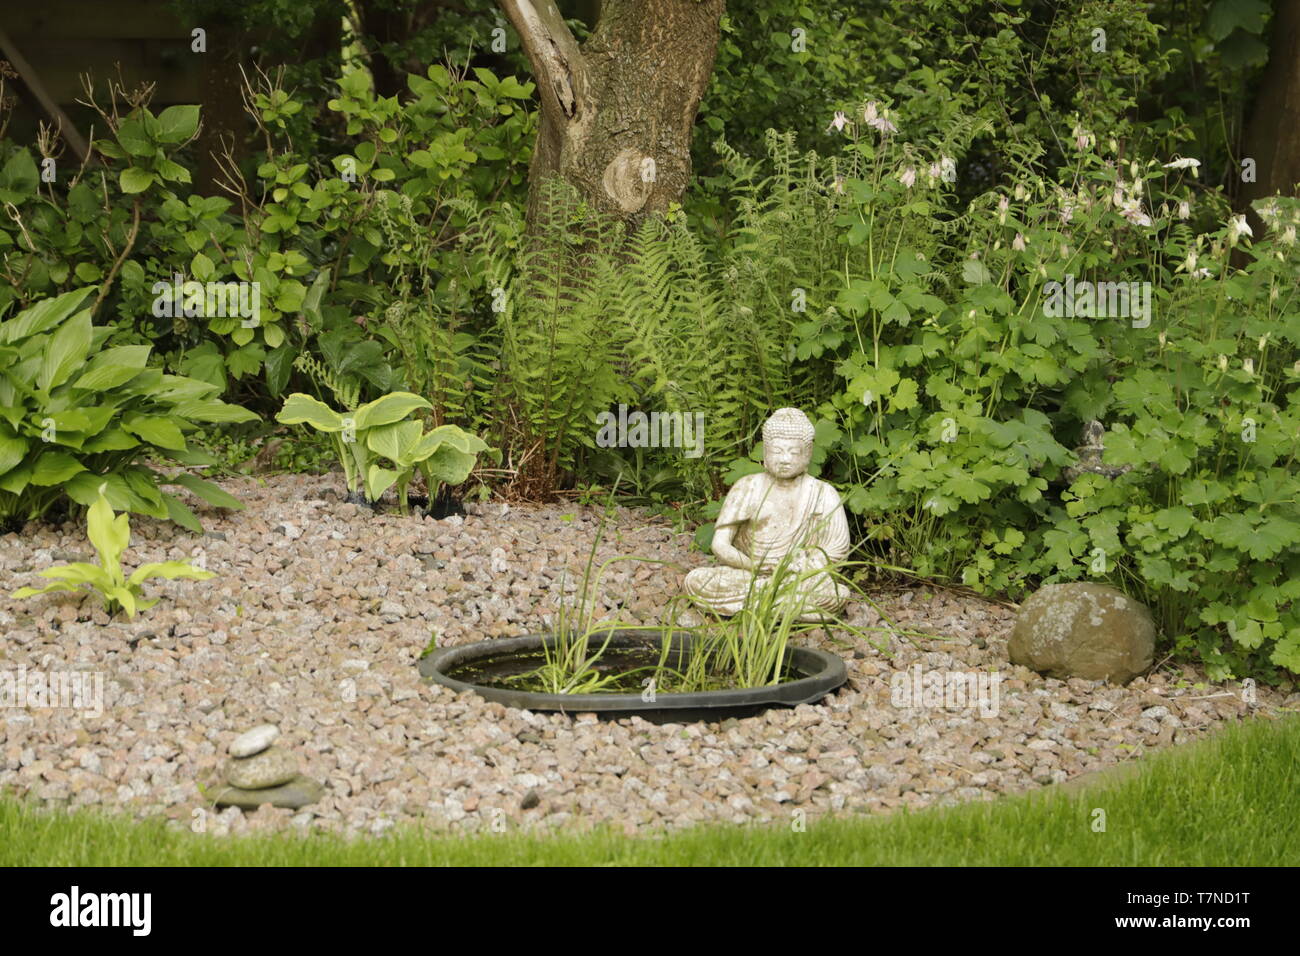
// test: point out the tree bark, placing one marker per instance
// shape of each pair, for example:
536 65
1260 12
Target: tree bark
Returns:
617 112
1273 135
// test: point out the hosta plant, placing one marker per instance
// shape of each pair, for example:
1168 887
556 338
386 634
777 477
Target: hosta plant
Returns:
379 430
75 415
110 534
445 455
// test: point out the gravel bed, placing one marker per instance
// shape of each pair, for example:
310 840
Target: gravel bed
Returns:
320 611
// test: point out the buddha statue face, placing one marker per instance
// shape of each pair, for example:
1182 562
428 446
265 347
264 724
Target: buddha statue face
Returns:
787 444
786 458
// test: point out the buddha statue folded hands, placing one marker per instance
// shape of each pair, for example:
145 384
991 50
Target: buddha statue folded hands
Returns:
778 520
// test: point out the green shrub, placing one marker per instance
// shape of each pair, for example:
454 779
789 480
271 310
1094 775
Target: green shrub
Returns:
75 416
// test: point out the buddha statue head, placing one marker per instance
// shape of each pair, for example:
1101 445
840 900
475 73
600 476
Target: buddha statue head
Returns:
787 444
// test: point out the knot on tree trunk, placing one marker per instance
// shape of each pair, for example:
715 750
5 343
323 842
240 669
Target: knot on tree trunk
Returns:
629 179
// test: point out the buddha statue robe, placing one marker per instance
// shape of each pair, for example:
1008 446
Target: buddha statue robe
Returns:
803 519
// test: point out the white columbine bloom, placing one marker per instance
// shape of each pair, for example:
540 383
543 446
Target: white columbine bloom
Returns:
1238 227
907 177
839 122
872 116
1018 243
1184 209
1132 211
1184 162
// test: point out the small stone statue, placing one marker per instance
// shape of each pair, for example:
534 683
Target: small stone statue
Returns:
778 512
1090 454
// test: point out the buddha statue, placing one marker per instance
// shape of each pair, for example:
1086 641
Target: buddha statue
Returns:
781 516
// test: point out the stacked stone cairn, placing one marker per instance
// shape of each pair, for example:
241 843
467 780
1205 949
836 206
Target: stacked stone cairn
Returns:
259 773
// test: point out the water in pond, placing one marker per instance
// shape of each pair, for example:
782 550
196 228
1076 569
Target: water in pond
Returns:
628 666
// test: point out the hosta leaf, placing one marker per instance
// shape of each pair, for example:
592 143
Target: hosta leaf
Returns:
379 480
449 465
171 570
113 367
156 430
396 442
209 492
303 409
42 316
54 468
457 437
13 448
213 410
110 535
388 409
67 349
115 439
179 512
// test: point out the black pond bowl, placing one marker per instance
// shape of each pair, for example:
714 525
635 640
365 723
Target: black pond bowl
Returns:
817 674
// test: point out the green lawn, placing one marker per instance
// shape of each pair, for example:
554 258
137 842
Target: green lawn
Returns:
1229 801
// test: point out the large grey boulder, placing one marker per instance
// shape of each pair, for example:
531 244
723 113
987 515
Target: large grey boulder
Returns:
1086 630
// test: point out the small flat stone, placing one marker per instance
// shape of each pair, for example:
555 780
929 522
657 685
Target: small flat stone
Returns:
254 741
293 795
270 768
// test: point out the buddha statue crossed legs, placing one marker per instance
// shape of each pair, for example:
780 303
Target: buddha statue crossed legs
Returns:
781 514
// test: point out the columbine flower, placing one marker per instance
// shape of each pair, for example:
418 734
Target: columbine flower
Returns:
1268 211
1263 340
1288 236
1248 366
1082 138
1238 227
839 122
934 173
907 177
1201 273
1003 205
1134 213
1184 209
1021 192
1184 162
878 120
1223 363
1018 243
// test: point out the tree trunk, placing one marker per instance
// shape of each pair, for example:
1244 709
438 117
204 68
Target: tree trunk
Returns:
617 113
1273 136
